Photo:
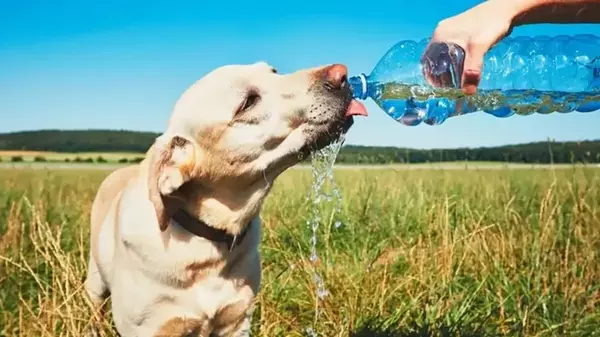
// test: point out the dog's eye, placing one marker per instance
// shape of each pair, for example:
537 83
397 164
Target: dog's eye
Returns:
251 99
274 71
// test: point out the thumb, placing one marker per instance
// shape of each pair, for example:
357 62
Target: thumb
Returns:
472 68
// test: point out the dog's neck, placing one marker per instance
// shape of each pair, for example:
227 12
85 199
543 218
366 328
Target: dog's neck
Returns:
229 208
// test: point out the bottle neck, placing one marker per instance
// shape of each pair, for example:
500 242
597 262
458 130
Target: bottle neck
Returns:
358 85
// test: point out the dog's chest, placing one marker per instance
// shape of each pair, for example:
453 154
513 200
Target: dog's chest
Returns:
207 288
209 295
193 279
220 301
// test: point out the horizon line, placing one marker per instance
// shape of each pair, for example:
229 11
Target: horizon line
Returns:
346 144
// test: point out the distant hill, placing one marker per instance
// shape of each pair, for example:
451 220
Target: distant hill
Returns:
78 140
134 141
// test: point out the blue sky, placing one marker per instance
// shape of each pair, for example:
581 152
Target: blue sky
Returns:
75 64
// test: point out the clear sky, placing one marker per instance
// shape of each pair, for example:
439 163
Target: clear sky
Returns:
79 64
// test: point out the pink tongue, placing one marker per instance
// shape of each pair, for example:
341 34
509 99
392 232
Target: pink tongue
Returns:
356 109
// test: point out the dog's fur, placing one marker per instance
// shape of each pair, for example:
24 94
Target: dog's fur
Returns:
230 135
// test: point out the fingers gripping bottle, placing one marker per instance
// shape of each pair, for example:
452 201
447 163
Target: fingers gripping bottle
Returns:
418 82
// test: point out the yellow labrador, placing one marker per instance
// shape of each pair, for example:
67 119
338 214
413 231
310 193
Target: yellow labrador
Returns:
175 239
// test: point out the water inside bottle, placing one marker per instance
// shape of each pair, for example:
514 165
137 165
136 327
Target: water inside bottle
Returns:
413 104
323 190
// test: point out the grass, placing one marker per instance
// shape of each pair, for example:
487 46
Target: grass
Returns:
420 253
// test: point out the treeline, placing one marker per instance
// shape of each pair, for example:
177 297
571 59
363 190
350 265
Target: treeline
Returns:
132 141
89 160
534 153
78 141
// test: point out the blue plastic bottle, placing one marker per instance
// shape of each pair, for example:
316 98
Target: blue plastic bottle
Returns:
521 75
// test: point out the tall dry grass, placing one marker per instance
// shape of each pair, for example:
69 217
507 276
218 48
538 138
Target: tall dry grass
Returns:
420 253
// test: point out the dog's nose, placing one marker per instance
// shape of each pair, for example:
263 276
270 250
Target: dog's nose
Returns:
336 76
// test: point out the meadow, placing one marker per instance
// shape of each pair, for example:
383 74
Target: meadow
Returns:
427 252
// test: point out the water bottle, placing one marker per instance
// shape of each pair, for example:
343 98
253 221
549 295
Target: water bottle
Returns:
416 82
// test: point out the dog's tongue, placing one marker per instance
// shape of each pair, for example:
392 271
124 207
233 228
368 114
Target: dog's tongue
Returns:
356 108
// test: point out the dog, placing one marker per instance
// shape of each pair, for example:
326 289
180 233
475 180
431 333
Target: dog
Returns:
174 239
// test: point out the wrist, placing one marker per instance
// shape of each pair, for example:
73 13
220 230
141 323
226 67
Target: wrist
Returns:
554 11
510 10
523 9
518 12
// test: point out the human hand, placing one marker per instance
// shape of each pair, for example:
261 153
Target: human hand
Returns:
475 31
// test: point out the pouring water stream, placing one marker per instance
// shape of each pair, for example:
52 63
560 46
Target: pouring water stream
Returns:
322 162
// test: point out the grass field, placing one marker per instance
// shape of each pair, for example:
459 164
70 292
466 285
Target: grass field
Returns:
420 253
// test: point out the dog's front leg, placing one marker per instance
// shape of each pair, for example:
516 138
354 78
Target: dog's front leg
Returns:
97 292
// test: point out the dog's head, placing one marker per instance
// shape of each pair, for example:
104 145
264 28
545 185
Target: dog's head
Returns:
236 129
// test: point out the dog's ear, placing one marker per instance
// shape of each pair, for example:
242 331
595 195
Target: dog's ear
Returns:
172 164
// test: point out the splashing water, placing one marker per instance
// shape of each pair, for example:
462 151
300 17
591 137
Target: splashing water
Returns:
322 171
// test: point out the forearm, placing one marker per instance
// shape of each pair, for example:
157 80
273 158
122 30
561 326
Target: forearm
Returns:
554 11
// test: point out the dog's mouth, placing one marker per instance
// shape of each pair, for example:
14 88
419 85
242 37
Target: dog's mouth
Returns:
355 108
341 125
337 123
333 110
